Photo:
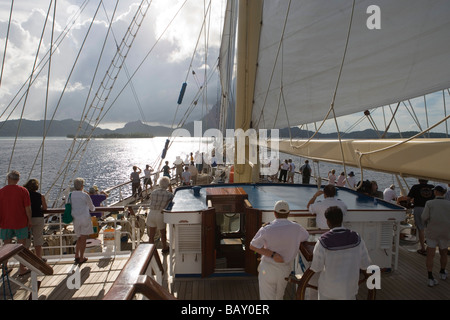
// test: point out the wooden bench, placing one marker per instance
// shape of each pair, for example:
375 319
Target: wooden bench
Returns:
37 266
133 278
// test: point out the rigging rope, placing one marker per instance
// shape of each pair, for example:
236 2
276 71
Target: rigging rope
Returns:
275 62
6 41
28 89
361 154
142 62
101 55
44 60
331 109
334 95
46 132
413 114
192 58
113 70
392 119
201 88
46 100
445 112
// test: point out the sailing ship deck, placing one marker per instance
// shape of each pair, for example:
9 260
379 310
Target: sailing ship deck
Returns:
98 275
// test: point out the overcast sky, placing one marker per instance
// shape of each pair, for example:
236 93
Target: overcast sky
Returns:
157 82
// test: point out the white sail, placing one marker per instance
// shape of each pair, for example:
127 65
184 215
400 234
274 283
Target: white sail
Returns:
226 63
407 57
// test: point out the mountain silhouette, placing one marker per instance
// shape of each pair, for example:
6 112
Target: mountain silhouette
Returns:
69 127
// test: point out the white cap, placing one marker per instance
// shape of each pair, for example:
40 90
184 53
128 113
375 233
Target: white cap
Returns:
441 188
281 207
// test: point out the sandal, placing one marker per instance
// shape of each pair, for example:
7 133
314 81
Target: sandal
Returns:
81 261
422 252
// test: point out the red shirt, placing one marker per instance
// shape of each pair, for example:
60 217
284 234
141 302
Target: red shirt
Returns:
13 201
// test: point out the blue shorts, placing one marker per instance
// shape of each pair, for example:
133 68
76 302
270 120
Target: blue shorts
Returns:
8 234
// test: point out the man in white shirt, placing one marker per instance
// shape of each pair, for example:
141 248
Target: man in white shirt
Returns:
278 243
389 194
436 218
319 208
186 177
291 172
351 181
148 178
339 255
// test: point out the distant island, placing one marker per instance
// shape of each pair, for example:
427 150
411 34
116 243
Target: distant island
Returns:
69 128
137 129
114 136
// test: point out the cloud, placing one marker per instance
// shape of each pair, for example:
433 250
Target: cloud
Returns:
159 68
162 57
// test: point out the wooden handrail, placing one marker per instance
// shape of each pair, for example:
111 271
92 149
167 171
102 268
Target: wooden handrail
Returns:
36 265
133 279
151 289
307 248
9 250
97 209
25 256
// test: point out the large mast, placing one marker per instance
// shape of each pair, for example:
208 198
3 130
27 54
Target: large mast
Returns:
249 28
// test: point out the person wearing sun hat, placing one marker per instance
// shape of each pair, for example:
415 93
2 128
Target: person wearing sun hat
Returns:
436 218
278 243
97 199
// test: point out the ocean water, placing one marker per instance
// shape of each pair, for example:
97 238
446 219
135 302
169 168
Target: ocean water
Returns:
109 162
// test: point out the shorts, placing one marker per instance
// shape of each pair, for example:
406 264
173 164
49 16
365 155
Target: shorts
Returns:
8 234
37 231
147 181
441 243
418 218
155 219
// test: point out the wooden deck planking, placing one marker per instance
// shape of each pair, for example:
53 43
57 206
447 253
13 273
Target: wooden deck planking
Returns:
97 277
409 282
216 288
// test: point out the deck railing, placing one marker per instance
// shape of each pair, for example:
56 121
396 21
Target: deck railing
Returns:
37 267
59 239
142 275
119 193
